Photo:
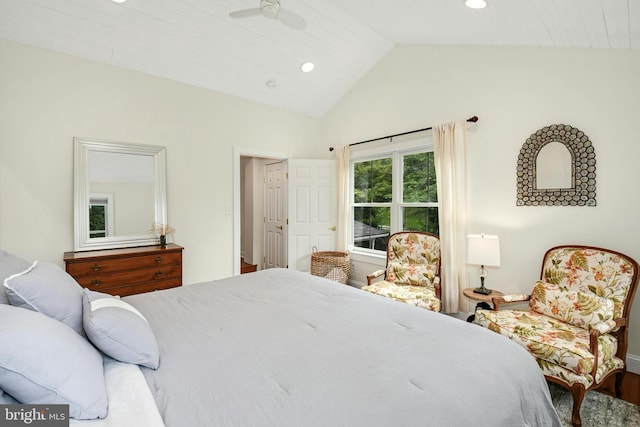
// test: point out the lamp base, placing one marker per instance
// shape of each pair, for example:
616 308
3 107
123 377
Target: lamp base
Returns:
482 290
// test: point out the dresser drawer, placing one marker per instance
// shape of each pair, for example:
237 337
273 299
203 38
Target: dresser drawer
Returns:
140 288
108 265
128 277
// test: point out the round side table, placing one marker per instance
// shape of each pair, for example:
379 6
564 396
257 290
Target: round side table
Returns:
484 300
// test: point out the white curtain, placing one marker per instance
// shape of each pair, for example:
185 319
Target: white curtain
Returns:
450 153
342 184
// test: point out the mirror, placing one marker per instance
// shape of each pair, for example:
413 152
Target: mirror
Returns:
119 192
554 167
557 167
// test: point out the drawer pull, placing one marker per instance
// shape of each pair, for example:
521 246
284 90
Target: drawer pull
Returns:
96 282
158 273
96 267
159 259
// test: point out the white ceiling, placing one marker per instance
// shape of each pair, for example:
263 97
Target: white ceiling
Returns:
196 42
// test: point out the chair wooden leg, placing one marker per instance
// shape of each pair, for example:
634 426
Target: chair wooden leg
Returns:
578 392
619 378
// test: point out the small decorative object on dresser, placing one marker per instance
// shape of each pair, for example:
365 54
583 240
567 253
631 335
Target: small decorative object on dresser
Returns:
127 271
160 231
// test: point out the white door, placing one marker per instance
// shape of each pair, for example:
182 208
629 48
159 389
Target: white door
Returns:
275 208
312 210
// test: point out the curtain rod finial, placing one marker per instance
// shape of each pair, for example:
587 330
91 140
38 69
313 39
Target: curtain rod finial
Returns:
473 119
330 148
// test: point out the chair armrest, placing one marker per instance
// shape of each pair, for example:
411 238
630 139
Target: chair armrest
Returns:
505 299
374 275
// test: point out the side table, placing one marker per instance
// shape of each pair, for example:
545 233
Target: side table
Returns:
484 300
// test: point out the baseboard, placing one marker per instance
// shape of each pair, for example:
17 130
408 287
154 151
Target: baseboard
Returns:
633 363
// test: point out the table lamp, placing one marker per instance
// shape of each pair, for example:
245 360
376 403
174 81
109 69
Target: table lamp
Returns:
483 250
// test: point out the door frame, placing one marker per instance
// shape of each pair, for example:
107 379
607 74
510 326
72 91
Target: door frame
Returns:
237 153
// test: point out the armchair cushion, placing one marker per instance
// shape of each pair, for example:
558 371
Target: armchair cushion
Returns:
548 339
413 259
602 272
420 296
410 274
582 309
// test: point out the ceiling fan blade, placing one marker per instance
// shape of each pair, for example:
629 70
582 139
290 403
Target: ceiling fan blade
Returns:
292 20
246 13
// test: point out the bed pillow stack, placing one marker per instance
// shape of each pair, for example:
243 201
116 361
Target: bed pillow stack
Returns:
45 356
54 332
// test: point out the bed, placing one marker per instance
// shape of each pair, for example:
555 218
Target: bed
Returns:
280 347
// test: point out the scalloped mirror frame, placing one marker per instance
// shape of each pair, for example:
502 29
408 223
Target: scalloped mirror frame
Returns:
583 173
82 147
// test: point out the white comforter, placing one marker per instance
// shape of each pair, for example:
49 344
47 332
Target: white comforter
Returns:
282 348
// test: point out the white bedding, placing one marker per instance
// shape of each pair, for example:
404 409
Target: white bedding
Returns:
278 347
130 400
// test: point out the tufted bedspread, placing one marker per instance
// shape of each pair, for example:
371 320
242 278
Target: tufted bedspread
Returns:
284 348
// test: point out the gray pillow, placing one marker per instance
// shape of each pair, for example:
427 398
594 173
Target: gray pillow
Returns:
9 265
5 399
43 361
119 330
46 288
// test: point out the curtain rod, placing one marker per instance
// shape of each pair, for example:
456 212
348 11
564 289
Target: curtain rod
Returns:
470 119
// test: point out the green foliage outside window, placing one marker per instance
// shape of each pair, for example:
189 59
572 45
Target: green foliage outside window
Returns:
373 184
97 218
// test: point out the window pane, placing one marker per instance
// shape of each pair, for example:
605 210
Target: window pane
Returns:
372 181
97 219
371 226
419 178
420 219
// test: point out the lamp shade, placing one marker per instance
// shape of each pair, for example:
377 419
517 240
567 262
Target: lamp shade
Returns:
483 249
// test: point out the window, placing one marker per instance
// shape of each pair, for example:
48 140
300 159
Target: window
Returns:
393 192
100 215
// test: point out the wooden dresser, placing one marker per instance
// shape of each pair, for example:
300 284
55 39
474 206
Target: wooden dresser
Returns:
127 271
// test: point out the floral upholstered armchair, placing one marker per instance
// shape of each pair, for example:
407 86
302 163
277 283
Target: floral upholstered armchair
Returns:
578 318
412 274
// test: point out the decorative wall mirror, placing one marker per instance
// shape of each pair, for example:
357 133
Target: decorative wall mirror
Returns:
557 167
119 192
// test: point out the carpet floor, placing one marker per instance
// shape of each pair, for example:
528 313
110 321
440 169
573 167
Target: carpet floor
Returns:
598 410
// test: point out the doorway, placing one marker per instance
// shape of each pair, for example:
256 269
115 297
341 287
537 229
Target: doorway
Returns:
248 204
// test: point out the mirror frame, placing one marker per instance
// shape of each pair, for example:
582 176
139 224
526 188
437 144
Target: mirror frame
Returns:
583 173
82 147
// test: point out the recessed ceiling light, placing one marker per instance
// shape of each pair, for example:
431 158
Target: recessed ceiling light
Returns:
271 84
118 1
307 67
475 4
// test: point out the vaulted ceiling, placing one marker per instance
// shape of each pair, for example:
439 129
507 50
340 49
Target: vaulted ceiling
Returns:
197 42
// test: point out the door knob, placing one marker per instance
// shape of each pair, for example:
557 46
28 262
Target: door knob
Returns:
332 228
279 227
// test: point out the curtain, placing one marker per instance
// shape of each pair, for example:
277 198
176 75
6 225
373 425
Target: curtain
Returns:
342 184
450 153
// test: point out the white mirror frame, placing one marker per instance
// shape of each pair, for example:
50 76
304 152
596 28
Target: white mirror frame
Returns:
82 147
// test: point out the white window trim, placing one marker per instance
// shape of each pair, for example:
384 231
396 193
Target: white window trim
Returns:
397 148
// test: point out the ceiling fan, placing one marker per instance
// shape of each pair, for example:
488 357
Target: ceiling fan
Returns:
271 9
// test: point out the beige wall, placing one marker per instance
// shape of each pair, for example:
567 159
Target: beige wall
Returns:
47 98
515 92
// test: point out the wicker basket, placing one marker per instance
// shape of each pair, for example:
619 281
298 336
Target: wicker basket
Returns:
334 266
